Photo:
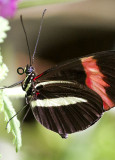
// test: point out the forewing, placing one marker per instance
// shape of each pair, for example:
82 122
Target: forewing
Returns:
100 76
96 71
72 70
66 107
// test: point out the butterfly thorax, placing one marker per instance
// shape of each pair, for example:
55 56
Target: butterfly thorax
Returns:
28 83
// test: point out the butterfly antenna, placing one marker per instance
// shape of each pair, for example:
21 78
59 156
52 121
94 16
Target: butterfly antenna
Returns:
26 39
38 35
15 115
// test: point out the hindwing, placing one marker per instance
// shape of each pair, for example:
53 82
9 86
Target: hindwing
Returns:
66 107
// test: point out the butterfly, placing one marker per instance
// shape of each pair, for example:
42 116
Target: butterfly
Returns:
71 96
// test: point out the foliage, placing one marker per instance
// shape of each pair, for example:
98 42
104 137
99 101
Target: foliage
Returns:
4 26
7 108
5 105
14 124
32 3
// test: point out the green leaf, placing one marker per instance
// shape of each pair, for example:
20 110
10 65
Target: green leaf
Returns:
8 110
14 125
5 104
1 100
31 3
3 69
4 26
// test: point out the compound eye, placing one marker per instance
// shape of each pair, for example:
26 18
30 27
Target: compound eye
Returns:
20 71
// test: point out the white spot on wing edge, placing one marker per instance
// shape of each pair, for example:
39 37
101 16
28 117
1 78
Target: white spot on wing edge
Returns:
56 102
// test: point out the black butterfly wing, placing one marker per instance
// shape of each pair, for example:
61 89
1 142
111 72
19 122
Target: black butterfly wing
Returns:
66 107
96 71
72 70
72 96
106 64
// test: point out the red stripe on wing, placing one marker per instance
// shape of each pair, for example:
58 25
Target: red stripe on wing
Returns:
38 76
94 80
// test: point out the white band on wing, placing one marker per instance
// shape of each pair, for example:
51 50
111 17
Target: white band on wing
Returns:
51 82
56 102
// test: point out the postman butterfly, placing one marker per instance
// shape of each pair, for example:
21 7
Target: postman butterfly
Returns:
71 96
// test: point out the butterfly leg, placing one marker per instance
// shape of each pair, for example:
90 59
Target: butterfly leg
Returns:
27 99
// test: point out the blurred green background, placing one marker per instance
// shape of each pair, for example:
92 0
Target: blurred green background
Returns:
70 30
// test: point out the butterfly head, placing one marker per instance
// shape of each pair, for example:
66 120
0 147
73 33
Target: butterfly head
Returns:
28 69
